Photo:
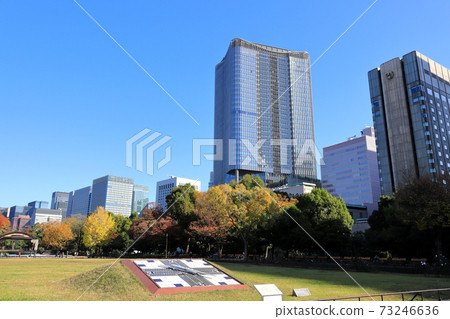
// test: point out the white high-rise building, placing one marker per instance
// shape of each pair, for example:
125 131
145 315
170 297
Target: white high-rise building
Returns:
163 188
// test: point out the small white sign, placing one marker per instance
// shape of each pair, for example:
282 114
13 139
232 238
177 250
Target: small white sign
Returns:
301 292
269 292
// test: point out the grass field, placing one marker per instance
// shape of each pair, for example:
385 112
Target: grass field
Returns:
66 279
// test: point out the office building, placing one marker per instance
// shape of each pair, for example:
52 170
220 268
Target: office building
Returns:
114 193
140 197
79 202
60 201
36 213
163 188
38 204
15 211
264 115
5 211
211 179
20 223
410 108
350 170
44 215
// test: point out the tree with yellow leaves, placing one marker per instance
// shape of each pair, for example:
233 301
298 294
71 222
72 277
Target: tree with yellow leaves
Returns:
98 229
243 208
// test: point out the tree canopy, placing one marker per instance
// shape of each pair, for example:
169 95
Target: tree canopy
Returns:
4 223
56 234
98 229
425 203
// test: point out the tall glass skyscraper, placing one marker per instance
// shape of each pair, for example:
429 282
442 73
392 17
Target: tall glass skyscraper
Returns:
263 115
60 201
410 108
140 197
114 193
79 202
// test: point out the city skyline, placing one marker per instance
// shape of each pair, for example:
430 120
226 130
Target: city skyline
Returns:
86 97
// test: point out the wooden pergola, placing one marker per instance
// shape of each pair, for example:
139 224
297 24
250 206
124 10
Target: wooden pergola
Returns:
21 236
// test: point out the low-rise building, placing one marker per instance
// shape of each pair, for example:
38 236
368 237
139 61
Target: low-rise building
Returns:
360 217
44 215
20 223
296 189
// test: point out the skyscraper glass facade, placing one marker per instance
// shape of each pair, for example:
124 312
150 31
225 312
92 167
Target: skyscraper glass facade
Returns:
79 202
410 108
263 114
114 193
140 197
60 202
38 204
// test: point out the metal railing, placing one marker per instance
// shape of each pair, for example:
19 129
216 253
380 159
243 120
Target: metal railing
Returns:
403 293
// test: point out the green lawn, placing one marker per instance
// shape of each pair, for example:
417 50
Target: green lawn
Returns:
66 279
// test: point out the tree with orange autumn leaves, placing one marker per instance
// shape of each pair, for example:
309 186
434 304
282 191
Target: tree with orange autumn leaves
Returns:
210 225
4 224
56 235
152 228
238 210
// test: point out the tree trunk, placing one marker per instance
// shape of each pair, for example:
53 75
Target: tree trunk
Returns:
438 243
245 249
187 246
220 251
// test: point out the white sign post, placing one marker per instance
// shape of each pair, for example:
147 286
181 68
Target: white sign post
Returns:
301 292
269 292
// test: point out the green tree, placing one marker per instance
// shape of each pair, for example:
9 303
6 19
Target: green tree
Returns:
120 240
331 223
76 223
181 207
425 203
389 233
284 233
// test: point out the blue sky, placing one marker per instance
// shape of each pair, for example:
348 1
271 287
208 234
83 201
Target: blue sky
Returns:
70 97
